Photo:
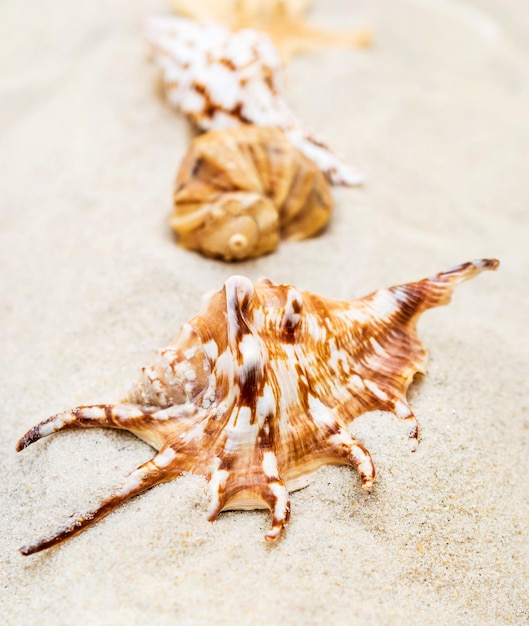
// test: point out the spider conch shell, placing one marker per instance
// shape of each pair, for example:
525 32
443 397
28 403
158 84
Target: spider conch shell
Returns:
238 189
221 79
256 392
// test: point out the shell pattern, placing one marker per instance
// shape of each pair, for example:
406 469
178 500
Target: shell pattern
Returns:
239 189
256 392
222 79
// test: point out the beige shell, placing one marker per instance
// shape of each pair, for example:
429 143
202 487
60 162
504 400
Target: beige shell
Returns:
238 190
225 11
283 20
257 392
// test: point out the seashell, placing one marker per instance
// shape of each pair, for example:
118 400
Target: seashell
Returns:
238 189
256 392
222 79
226 10
283 20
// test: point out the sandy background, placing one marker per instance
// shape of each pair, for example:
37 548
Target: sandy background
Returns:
436 115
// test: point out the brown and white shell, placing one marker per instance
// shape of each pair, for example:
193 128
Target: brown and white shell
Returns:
222 79
239 189
257 391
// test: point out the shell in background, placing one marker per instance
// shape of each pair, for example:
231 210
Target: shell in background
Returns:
222 79
225 11
239 189
257 391
283 20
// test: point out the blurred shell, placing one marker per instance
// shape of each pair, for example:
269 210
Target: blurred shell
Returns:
283 20
257 392
226 11
239 189
222 79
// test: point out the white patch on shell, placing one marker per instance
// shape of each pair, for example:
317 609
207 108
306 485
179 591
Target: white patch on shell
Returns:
50 427
237 289
356 381
270 465
239 431
266 404
281 506
124 411
165 458
288 382
400 294
352 315
93 412
384 303
211 349
377 347
321 415
225 365
365 468
402 410
375 390
314 328
252 359
217 482
134 481
190 353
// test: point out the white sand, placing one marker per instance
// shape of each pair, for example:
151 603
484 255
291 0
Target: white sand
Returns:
436 115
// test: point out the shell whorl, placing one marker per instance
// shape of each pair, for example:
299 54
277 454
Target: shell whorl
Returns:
238 190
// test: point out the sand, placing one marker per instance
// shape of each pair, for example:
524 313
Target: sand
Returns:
93 283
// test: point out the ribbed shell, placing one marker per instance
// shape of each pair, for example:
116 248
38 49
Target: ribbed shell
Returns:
256 391
238 190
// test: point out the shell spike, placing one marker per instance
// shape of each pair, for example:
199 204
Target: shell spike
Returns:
403 412
96 415
437 290
279 502
465 271
162 467
442 285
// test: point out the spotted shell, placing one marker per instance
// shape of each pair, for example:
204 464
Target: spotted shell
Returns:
222 79
256 392
239 189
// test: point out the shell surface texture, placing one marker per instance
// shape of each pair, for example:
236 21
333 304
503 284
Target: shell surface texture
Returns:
256 392
221 79
240 189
